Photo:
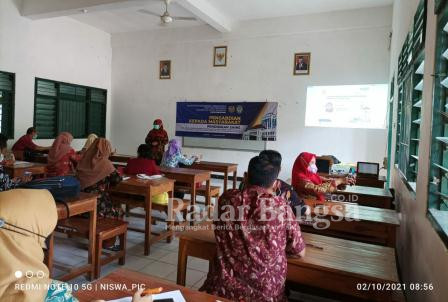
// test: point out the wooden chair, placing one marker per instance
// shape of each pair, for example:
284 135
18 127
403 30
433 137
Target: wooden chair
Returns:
215 191
107 228
18 155
137 201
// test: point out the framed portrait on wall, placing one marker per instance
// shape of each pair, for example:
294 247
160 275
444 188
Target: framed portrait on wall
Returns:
302 63
165 70
220 56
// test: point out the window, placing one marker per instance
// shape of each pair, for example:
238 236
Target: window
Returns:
410 86
77 109
7 103
438 178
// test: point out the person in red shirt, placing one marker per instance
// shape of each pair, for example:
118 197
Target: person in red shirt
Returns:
62 158
25 143
144 164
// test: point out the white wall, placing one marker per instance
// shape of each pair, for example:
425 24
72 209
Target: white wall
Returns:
348 47
59 49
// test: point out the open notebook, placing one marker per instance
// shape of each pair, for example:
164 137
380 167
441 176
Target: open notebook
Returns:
175 295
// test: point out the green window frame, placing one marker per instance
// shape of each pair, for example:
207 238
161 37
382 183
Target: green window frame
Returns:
438 170
77 109
7 96
410 88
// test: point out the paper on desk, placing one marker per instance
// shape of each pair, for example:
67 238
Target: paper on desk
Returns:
144 176
22 163
176 295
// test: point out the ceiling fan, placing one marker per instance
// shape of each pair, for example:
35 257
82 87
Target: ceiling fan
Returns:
166 18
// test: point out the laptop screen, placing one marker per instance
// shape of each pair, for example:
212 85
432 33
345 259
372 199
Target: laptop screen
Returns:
368 168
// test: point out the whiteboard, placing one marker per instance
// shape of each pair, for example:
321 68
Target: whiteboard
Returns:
224 144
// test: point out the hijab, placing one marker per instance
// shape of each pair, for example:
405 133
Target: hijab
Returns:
173 149
60 147
90 139
95 164
21 250
300 170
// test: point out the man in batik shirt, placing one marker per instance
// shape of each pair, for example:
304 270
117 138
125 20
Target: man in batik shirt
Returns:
251 248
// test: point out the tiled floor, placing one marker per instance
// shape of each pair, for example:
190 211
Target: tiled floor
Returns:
161 262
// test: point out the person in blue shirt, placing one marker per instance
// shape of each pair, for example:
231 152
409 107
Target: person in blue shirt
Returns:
173 156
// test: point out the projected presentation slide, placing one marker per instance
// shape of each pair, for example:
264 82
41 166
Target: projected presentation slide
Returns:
347 106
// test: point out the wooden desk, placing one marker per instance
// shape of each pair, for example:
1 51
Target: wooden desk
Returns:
130 278
120 158
371 182
338 267
84 203
225 168
190 177
354 222
365 196
360 181
146 189
18 169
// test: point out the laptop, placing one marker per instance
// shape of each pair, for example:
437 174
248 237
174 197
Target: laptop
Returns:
367 170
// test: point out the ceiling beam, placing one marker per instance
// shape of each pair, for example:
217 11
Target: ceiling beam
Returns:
203 10
42 9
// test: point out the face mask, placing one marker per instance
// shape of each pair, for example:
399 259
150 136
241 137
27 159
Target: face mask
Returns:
35 136
157 127
312 168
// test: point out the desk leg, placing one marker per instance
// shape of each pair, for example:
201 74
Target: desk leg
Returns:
234 180
193 199
171 218
49 255
147 223
226 178
208 199
92 243
182 262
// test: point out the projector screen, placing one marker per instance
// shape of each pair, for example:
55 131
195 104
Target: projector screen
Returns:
347 106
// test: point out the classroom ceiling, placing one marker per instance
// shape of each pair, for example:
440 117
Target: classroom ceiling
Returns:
225 13
130 19
260 9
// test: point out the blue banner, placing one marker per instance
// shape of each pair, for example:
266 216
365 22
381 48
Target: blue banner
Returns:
235 120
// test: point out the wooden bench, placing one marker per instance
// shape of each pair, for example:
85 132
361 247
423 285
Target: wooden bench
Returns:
331 264
106 228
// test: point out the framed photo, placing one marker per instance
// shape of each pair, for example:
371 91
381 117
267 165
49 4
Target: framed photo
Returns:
165 70
302 63
220 56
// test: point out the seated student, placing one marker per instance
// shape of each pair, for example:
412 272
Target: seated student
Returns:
25 143
62 158
251 263
143 164
282 188
173 156
308 184
30 216
6 183
89 141
96 173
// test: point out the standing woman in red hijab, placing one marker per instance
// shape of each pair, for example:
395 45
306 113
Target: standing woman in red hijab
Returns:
307 183
157 138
